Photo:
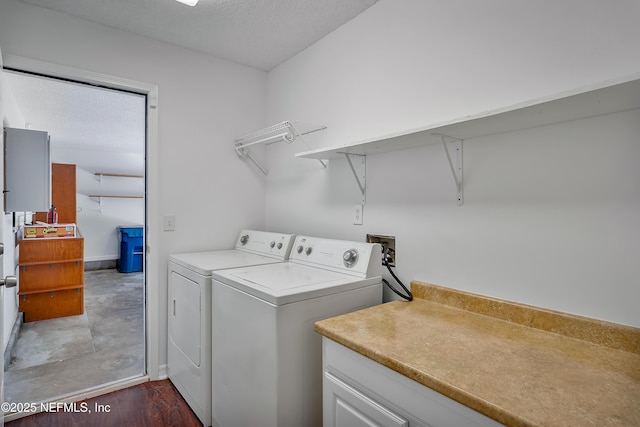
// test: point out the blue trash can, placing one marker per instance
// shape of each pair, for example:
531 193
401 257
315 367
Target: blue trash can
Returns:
131 249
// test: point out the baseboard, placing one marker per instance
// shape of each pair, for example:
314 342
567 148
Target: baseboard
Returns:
100 264
162 372
15 332
102 257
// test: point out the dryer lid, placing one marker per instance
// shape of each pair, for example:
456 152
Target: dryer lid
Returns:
205 262
288 282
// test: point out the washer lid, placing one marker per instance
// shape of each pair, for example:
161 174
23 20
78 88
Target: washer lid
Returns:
289 282
205 262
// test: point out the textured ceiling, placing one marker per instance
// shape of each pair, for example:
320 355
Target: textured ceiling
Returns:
258 33
80 116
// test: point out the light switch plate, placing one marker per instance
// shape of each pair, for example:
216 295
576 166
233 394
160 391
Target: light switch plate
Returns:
169 222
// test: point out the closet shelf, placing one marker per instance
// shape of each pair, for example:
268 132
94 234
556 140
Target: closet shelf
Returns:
110 196
590 101
604 98
96 196
286 131
116 175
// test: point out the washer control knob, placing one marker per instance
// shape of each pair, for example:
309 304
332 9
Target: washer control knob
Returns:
350 258
280 245
300 249
273 244
308 251
244 239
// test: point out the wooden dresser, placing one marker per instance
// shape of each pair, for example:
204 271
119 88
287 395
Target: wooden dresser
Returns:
51 277
51 274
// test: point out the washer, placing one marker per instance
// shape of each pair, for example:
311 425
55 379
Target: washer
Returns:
267 358
189 332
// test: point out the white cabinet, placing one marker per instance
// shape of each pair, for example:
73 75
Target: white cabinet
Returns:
349 407
27 168
360 392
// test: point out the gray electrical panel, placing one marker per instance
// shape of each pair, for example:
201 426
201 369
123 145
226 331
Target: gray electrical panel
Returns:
27 170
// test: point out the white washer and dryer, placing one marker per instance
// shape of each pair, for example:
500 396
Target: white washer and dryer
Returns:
267 358
189 332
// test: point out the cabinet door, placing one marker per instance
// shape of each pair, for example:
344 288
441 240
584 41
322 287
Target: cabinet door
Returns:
27 170
347 407
63 193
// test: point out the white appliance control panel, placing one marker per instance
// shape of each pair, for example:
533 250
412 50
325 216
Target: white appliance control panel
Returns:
265 243
356 258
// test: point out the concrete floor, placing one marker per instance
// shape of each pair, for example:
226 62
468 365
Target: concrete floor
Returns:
58 357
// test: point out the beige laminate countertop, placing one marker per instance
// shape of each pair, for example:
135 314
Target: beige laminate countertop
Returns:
517 364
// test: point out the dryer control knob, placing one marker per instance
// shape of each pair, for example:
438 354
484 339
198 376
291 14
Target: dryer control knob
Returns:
280 245
300 249
273 244
350 257
308 251
244 239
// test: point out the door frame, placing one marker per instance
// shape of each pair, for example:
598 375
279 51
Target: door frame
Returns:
152 300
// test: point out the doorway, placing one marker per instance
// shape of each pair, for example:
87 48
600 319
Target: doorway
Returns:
102 132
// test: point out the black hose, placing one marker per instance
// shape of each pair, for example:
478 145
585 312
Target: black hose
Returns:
408 296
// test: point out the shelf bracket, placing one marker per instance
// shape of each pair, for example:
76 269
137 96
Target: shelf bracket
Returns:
359 170
244 152
453 148
99 199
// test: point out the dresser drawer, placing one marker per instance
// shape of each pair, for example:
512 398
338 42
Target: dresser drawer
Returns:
48 250
45 277
49 305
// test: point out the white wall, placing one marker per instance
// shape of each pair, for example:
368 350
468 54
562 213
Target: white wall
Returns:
98 219
11 116
399 65
550 215
203 103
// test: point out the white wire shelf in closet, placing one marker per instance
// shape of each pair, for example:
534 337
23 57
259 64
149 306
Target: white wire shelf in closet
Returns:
287 131
100 176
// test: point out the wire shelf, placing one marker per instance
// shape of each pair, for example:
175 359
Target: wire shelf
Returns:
286 131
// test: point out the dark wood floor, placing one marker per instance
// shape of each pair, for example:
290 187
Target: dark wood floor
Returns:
151 404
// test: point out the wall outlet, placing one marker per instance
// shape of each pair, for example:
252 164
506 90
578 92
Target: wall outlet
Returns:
169 222
357 214
388 244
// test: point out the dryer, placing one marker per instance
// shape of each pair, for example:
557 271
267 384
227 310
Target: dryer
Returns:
267 358
189 331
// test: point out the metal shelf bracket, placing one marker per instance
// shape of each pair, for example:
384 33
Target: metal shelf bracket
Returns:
452 144
99 199
359 170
